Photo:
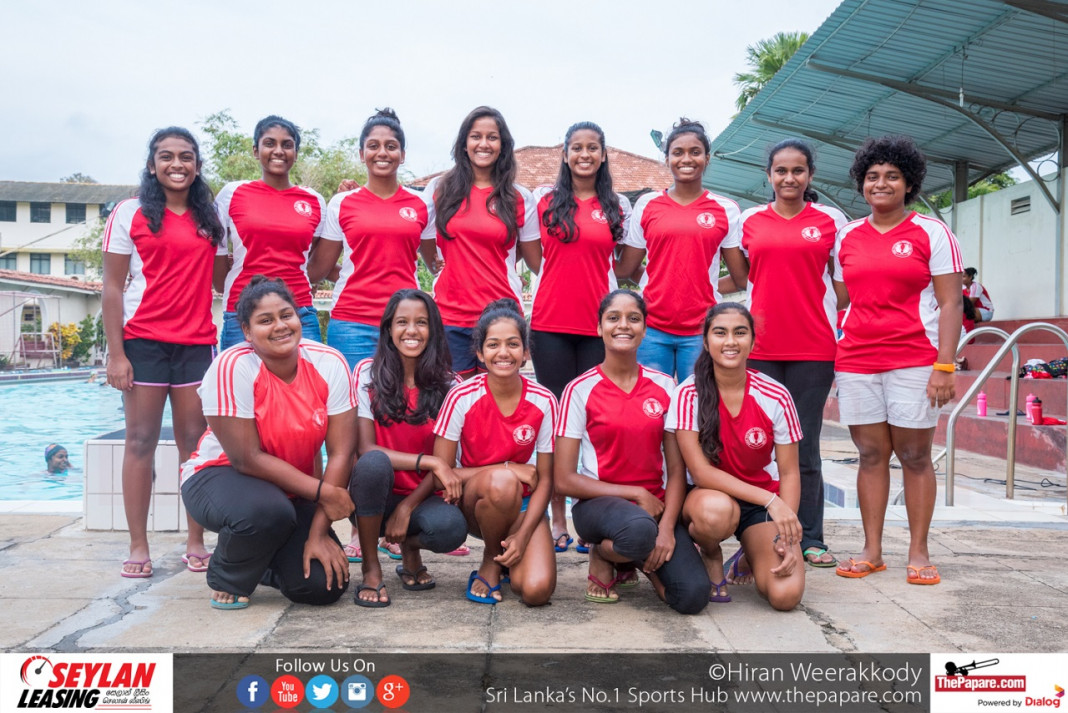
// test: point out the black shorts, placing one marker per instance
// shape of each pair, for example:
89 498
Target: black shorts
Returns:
751 515
163 364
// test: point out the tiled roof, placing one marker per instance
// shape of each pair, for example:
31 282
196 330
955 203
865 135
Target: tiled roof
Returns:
64 192
539 165
50 281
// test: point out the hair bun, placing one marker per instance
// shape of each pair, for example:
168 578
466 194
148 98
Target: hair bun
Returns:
388 113
505 303
683 121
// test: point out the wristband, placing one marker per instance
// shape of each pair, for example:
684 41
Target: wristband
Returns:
417 459
948 368
773 496
318 491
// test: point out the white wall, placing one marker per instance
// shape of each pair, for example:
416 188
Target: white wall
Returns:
13 236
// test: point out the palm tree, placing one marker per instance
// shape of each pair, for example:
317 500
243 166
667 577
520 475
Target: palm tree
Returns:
765 58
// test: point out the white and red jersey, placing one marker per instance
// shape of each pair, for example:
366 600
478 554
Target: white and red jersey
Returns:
470 417
575 276
169 296
682 244
791 295
767 418
271 232
401 437
291 419
381 247
622 433
480 257
977 290
892 320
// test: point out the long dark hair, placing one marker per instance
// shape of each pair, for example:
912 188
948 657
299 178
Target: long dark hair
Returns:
455 186
806 150
704 380
559 217
201 201
433 374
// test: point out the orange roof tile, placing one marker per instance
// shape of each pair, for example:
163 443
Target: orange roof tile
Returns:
49 280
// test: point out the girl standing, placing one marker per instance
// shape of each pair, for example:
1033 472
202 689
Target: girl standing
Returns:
159 329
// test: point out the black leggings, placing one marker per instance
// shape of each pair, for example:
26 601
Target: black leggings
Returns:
261 536
633 534
436 525
560 357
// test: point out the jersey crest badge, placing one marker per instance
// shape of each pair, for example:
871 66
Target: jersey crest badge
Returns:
706 220
653 408
523 435
902 248
319 418
409 214
811 234
598 216
302 208
756 438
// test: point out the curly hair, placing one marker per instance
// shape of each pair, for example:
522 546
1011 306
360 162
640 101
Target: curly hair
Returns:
898 151
257 288
200 199
559 216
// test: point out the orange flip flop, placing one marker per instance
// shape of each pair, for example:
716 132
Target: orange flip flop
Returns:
923 580
857 575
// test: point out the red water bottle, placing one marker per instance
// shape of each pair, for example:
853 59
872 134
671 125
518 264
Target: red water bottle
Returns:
1036 412
980 403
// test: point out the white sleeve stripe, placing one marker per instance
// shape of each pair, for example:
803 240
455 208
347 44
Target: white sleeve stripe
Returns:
782 396
452 399
569 390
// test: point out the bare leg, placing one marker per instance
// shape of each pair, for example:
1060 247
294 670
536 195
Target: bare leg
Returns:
783 590
711 517
490 503
558 510
144 416
913 449
368 527
187 418
873 490
534 577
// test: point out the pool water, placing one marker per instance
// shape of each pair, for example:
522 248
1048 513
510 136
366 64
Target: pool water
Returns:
32 415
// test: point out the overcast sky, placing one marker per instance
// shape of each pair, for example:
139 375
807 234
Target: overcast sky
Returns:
88 82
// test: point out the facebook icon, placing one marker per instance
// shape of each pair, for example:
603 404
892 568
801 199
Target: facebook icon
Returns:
253 691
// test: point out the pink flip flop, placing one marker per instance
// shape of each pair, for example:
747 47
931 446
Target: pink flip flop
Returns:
137 575
203 561
461 551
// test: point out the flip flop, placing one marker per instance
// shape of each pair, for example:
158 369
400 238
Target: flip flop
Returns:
872 569
137 575
489 598
582 547
229 606
461 551
203 559
626 578
567 542
717 597
922 580
416 585
819 552
392 555
731 568
353 553
378 604
596 599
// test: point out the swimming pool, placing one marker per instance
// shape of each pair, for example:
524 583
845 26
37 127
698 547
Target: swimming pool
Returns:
32 415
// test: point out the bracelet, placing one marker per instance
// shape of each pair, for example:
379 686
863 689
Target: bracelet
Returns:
948 368
417 459
773 496
318 491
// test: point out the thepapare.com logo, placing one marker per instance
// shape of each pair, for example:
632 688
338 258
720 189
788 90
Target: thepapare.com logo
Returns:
85 684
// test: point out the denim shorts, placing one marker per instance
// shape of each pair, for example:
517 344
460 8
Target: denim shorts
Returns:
672 354
356 341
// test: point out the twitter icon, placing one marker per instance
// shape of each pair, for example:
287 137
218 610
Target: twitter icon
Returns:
321 691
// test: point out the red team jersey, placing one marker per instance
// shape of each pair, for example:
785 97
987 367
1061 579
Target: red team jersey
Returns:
402 437
291 419
767 418
169 296
575 276
622 433
381 241
470 417
682 244
977 290
892 320
480 257
271 232
791 295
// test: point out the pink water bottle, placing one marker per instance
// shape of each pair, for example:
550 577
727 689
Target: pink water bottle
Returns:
1030 401
980 403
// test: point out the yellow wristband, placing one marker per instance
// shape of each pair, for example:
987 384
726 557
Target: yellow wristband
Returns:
949 368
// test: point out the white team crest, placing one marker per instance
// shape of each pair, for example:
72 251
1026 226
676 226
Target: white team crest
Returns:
409 214
706 220
756 437
653 408
598 216
811 234
902 248
303 208
523 435
319 418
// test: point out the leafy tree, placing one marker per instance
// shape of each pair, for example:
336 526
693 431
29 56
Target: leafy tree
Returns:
990 184
87 248
78 177
765 58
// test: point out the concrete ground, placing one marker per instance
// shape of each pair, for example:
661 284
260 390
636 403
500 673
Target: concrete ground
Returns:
1002 563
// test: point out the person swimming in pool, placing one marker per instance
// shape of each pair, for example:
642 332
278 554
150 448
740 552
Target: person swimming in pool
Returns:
56 459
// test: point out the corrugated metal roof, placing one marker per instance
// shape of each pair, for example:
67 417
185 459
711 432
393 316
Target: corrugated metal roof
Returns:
64 192
879 67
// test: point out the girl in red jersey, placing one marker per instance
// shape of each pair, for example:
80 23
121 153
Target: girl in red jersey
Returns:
581 220
272 226
683 231
399 393
159 329
498 421
900 274
256 477
379 226
789 243
481 216
738 433
630 483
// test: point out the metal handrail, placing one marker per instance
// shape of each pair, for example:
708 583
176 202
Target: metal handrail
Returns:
1014 393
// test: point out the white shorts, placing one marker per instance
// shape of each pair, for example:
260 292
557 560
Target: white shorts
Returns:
986 314
897 397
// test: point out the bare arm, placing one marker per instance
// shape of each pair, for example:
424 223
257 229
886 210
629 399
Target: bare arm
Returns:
941 388
441 471
219 270
842 294
628 266
530 252
571 483
323 259
737 271
119 370
428 250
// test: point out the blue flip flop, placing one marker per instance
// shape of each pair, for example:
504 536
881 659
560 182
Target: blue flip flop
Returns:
488 599
582 547
229 605
567 544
